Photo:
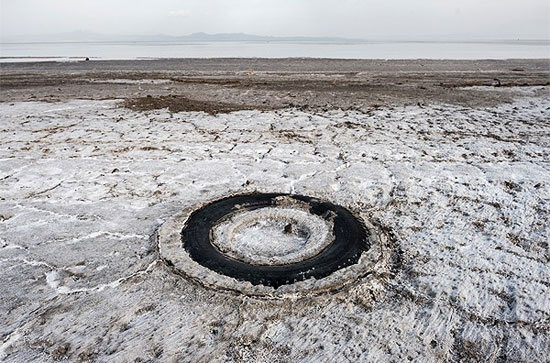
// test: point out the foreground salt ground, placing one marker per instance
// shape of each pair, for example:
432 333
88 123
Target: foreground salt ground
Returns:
464 192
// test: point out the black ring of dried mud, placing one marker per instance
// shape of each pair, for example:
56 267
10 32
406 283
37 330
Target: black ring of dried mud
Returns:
359 250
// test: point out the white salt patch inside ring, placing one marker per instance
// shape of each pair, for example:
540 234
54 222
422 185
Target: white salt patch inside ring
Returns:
272 236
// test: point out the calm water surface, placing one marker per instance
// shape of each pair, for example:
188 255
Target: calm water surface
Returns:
12 52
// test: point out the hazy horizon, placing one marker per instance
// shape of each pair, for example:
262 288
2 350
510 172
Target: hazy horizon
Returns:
85 36
467 20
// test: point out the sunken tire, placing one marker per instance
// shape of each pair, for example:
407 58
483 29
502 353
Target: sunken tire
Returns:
350 240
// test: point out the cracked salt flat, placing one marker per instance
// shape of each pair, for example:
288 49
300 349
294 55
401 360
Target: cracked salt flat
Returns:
464 191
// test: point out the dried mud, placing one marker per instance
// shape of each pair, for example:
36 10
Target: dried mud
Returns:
175 103
225 85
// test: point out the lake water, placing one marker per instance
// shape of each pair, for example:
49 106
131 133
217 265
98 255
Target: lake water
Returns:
66 51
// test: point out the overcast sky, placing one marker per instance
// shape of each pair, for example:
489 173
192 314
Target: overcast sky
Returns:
368 19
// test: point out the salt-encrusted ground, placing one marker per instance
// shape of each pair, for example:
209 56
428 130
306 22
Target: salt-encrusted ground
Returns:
465 193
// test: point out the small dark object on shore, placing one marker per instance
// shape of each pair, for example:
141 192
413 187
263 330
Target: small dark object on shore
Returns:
288 228
87 59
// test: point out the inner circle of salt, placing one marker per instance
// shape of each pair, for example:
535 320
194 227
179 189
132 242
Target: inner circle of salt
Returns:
272 235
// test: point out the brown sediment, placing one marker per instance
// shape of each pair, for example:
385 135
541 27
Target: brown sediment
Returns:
225 85
176 103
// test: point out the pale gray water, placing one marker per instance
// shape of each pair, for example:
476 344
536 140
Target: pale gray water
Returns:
14 52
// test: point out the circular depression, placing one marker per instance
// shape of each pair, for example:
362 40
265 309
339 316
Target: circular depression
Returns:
272 235
270 244
349 240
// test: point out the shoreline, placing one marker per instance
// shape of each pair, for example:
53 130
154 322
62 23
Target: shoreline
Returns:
138 59
260 83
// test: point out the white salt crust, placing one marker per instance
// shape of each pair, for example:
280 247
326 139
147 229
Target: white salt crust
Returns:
464 190
258 236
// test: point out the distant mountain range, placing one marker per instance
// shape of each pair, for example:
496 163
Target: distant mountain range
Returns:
82 36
